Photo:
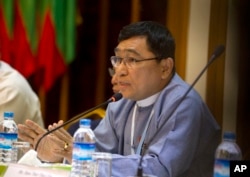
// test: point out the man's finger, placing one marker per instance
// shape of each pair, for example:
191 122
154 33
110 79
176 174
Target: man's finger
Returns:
35 127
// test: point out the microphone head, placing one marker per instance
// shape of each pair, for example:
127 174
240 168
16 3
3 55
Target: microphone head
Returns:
218 51
115 97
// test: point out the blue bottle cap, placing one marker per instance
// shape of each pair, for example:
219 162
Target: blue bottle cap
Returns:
8 114
85 122
229 135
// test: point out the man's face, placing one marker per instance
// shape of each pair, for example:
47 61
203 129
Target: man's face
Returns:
142 79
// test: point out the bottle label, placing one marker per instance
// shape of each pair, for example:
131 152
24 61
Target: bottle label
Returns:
221 168
83 151
6 140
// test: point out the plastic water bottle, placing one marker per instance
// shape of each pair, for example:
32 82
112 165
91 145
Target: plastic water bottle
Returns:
8 135
227 151
83 147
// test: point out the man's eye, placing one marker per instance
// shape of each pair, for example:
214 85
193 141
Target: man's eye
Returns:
131 60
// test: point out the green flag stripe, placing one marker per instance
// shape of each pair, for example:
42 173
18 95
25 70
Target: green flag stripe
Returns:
7 8
28 15
63 17
58 12
43 6
70 30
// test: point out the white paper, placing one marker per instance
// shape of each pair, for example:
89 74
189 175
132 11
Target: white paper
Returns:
31 171
30 158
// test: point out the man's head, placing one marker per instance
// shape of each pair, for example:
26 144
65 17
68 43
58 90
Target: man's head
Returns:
144 59
159 39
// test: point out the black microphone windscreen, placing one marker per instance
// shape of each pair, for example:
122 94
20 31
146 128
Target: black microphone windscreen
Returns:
115 97
218 51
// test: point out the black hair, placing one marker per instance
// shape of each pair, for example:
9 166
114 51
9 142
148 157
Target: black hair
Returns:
159 39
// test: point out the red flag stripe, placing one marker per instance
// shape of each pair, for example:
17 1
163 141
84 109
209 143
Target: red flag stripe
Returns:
49 57
5 40
23 57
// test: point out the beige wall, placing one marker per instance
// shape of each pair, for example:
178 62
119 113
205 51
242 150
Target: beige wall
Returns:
197 43
197 52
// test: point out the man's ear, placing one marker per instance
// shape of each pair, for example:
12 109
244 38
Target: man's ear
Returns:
167 66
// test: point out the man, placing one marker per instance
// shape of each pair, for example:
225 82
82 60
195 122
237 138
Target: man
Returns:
17 96
172 138
114 83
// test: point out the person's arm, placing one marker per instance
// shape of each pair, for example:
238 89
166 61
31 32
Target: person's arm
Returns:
171 152
17 96
12 100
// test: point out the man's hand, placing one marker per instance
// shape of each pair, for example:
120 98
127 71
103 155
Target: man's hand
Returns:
49 146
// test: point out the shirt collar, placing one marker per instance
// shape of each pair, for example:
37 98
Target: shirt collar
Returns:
148 101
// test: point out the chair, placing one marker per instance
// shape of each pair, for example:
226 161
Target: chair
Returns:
95 116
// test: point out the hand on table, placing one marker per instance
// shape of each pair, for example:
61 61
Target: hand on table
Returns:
62 134
50 145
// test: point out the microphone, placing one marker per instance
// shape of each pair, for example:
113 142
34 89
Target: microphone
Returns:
114 98
217 52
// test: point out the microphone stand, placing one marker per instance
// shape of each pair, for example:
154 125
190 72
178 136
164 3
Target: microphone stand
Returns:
114 98
217 52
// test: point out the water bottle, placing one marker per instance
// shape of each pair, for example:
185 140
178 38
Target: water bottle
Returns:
8 135
227 151
83 147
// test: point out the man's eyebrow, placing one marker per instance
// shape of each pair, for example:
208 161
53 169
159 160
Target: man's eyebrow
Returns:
128 50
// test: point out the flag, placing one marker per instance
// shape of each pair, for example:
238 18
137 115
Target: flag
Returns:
57 38
37 37
6 29
24 37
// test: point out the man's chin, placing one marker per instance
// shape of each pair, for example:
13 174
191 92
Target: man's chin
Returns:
129 96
